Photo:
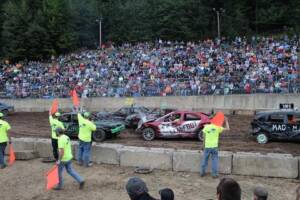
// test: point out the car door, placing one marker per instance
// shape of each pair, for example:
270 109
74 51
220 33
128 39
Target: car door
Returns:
168 128
71 124
293 125
190 124
277 126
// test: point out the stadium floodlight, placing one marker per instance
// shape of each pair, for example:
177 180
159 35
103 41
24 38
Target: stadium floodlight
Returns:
218 12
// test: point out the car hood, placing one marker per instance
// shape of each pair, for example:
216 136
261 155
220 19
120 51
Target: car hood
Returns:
146 118
4 106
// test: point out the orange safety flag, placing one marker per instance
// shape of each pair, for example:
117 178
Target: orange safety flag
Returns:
12 156
218 119
52 177
75 99
54 107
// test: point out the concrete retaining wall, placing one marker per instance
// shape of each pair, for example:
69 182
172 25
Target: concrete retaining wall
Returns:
270 165
241 163
186 160
154 158
44 147
106 153
244 104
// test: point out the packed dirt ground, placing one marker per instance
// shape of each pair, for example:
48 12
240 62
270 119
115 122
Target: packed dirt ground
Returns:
237 139
25 180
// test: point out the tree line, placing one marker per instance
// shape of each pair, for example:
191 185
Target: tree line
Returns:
37 29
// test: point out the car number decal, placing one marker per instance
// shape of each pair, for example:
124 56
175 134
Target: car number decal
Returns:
279 127
168 129
296 128
188 126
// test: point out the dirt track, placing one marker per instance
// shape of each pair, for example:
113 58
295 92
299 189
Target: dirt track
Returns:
237 139
26 181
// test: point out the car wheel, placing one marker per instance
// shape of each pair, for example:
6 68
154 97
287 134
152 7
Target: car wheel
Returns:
262 138
200 135
148 134
5 112
99 136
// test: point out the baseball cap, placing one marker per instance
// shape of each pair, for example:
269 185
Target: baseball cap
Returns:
59 130
86 114
57 114
166 194
136 186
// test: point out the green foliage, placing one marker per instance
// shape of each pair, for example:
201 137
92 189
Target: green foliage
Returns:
36 29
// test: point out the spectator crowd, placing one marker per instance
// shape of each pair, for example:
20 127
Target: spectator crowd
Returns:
163 68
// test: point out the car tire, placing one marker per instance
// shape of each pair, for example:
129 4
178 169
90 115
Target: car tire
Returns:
148 134
5 112
200 135
262 138
99 135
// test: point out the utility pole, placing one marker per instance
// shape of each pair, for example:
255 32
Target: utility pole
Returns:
100 31
218 12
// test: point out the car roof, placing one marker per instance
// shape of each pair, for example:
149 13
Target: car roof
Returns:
269 112
186 112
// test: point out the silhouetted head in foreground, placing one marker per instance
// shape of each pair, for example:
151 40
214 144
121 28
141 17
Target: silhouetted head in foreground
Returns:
228 189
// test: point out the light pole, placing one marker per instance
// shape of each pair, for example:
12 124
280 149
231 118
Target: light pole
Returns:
220 11
100 31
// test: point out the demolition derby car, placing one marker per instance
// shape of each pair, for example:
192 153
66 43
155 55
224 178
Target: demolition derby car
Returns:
105 128
131 115
283 124
6 109
178 124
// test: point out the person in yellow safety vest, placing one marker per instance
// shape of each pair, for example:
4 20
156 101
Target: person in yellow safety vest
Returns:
55 123
4 139
211 135
86 127
65 160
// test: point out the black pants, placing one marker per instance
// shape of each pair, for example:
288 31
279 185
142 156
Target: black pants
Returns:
55 148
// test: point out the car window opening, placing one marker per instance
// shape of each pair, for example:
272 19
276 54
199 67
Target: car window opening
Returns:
190 117
276 118
294 119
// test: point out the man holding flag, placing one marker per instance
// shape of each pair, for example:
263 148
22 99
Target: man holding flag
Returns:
65 159
211 133
86 127
55 123
4 139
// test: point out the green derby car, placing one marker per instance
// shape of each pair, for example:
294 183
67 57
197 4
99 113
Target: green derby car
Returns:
105 128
